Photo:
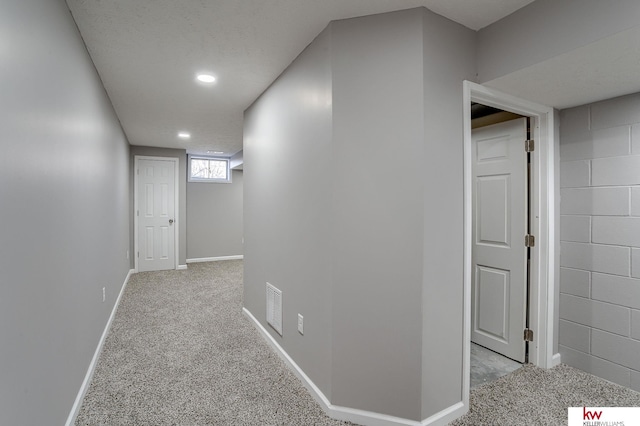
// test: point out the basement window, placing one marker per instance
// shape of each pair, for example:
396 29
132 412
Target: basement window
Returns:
209 169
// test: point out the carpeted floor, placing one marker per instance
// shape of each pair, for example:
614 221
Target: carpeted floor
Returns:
180 352
534 396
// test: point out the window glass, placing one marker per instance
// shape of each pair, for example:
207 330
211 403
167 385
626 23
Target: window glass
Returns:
203 169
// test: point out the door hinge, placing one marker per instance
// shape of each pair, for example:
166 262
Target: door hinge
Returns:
529 145
528 335
529 240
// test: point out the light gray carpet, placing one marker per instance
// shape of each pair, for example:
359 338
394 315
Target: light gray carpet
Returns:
180 352
534 396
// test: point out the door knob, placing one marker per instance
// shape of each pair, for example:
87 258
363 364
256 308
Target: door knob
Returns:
170 221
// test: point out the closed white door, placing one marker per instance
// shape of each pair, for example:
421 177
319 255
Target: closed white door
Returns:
156 214
499 254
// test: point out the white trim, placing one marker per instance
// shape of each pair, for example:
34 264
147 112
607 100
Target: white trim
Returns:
543 208
369 418
176 206
181 267
306 381
214 259
94 361
447 415
467 253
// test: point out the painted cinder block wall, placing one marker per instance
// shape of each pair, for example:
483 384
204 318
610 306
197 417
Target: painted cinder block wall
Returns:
600 239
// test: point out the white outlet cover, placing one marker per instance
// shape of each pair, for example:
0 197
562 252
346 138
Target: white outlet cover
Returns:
300 324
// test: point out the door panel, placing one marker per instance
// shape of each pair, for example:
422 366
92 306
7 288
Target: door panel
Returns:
164 200
147 247
493 149
164 244
498 292
156 198
492 293
149 200
493 210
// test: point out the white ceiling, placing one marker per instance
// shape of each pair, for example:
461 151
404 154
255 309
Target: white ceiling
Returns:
604 69
148 52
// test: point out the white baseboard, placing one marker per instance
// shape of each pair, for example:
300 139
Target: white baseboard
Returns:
446 416
181 267
363 417
556 359
94 361
215 259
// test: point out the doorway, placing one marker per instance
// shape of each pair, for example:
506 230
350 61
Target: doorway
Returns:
500 222
155 213
542 265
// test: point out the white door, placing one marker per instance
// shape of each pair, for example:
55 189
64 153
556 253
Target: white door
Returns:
498 290
156 208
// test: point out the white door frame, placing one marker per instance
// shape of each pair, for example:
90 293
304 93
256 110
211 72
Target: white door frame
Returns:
543 223
176 229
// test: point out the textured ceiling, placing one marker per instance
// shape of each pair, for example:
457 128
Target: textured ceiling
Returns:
604 69
148 53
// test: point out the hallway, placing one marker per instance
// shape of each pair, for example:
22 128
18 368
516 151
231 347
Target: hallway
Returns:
181 352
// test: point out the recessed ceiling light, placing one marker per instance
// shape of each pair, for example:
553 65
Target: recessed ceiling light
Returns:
206 78
184 135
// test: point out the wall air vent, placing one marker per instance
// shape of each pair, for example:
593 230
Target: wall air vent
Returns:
274 308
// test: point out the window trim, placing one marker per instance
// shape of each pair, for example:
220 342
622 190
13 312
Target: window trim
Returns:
208 180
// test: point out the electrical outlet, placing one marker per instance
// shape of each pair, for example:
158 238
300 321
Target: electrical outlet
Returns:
104 294
300 324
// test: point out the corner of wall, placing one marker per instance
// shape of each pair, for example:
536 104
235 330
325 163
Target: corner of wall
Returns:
444 75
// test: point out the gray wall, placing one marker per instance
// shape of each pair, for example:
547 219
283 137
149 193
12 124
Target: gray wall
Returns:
377 212
181 155
214 218
442 173
236 161
64 191
287 206
600 239
369 252
547 28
